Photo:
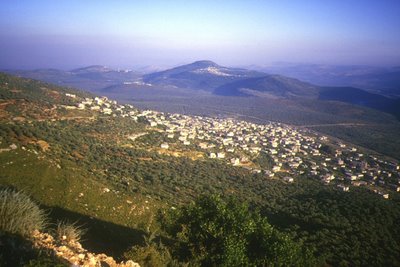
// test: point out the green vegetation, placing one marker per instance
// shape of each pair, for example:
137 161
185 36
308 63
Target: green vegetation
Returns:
264 161
19 214
69 232
14 88
152 254
356 228
19 217
383 138
214 232
90 170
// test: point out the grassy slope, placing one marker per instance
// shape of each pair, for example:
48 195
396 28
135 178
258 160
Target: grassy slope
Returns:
95 154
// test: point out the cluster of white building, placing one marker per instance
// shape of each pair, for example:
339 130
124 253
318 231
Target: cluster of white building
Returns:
292 152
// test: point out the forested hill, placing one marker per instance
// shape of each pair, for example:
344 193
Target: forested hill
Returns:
208 78
362 98
162 188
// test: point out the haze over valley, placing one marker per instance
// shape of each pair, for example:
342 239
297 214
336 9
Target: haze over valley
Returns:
206 88
201 133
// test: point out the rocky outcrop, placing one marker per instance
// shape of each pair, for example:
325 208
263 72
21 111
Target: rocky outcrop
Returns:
72 252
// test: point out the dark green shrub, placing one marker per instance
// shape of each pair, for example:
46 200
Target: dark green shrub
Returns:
213 232
152 255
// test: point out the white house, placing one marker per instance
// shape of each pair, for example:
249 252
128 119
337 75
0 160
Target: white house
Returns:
288 179
164 145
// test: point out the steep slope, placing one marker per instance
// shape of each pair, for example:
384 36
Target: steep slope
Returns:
207 76
204 75
276 86
110 172
92 78
270 85
380 80
54 76
361 98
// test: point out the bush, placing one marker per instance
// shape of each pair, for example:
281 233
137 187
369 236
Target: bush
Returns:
19 214
69 232
214 232
152 255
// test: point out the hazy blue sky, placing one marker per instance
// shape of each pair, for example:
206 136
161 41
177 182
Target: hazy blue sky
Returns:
66 34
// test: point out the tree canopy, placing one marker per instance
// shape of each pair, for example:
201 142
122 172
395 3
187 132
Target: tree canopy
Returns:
212 232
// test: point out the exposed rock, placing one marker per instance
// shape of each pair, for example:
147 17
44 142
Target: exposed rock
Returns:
75 254
13 146
44 146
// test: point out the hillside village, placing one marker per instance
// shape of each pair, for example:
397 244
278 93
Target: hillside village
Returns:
291 153
115 168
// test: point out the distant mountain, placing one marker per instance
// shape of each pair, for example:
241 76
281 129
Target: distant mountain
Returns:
276 86
269 86
205 77
94 72
106 74
93 78
361 98
91 69
151 68
377 79
200 75
48 75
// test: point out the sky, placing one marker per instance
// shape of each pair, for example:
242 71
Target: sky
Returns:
75 33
